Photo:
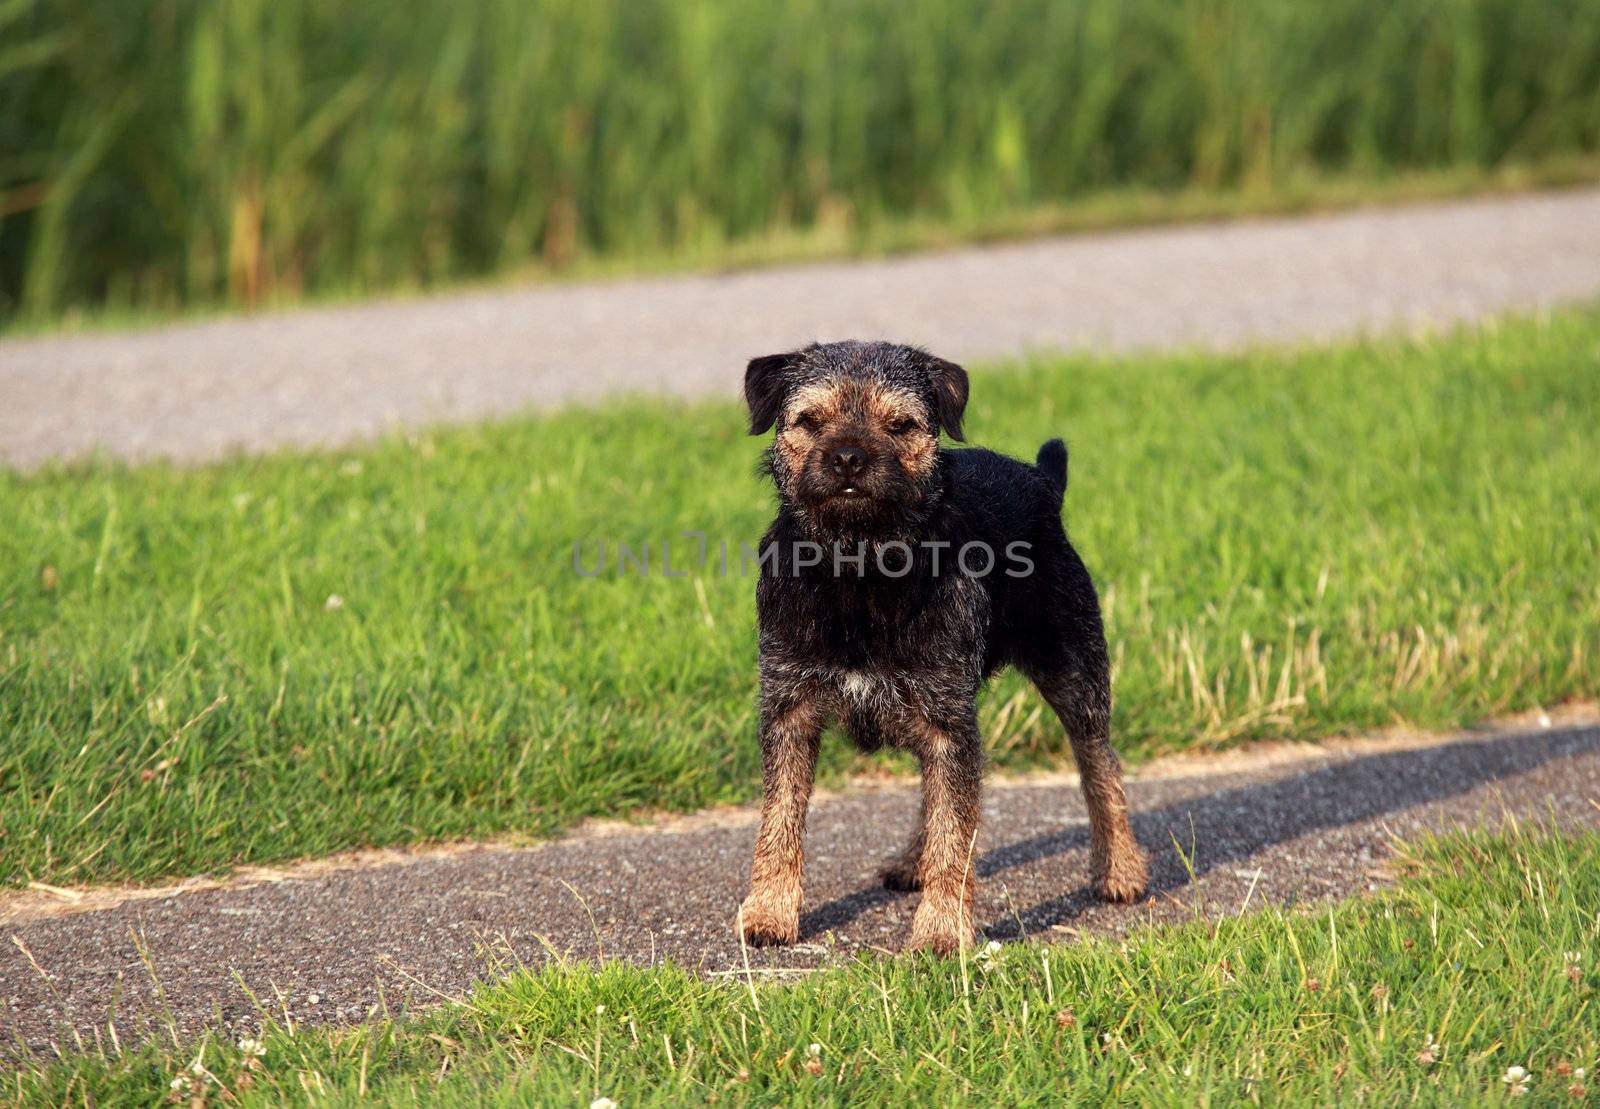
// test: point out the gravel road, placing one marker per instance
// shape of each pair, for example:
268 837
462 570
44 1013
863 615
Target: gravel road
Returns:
325 948
331 375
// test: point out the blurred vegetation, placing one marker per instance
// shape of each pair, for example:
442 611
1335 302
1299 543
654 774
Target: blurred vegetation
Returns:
163 153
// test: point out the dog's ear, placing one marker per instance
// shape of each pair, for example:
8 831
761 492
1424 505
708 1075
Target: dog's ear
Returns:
949 394
766 383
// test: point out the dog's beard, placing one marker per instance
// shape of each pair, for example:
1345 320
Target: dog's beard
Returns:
882 507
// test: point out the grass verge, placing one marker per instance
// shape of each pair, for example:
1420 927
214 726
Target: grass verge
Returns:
1480 961
288 655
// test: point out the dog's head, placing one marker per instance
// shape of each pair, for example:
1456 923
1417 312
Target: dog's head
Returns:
857 444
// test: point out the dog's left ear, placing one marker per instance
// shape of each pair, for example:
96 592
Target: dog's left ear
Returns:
766 382
949 394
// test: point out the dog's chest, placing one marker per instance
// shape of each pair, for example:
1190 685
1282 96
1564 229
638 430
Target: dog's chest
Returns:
864 691
876 645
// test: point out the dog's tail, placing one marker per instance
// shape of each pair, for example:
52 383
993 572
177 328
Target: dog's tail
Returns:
1052 466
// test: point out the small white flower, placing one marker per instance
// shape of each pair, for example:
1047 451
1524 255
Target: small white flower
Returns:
814 1050
333 603
1517 1079
602 1103
197 1068
180 1083
252 1046
598 1009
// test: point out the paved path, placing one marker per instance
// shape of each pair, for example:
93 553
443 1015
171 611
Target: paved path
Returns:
326 947
335 374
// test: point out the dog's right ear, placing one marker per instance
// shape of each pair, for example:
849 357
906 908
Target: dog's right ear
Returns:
766 383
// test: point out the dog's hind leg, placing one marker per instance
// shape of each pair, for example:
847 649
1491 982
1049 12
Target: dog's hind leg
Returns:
791 729
905 872
1079 689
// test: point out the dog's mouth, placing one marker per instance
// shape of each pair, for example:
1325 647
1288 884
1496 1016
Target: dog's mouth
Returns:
848 497
853 499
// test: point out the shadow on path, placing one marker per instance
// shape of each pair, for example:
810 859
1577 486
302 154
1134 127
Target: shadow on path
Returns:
1216 829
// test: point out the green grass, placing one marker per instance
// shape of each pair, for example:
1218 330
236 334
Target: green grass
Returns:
1482 960
1286 544
162 154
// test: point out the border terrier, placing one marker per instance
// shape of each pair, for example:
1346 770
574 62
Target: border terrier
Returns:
897 576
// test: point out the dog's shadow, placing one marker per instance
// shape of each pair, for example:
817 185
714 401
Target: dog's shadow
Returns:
1216 829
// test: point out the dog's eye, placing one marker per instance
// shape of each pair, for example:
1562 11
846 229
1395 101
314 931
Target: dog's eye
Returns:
902 427
806 422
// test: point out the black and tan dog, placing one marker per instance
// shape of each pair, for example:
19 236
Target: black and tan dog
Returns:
896 578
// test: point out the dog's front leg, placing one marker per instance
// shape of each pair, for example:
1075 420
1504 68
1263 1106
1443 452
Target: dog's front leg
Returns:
790 731
952 776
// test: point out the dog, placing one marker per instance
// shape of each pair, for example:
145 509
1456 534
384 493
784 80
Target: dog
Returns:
897 577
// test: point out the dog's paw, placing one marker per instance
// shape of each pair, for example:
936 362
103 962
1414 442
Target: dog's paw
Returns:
941 929
900 876
1125 878
940 943
764 926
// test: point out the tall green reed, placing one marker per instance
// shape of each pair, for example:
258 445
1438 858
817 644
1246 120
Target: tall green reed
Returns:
173 152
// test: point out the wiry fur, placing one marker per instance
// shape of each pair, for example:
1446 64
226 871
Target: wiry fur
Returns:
900 659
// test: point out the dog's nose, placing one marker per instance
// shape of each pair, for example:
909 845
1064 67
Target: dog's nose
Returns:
847 462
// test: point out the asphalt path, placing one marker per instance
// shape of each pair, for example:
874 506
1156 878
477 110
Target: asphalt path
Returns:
329 944
335 374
